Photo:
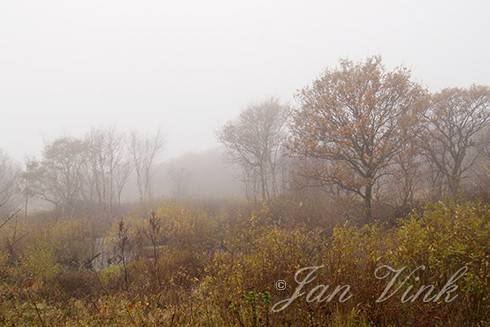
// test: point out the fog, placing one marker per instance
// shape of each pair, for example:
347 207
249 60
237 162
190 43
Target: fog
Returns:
189 66
184 163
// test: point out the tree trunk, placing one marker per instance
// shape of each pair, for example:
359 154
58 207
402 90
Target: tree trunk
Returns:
368 202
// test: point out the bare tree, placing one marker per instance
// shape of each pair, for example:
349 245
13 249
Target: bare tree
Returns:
455 118
144 150
254 141
152 232
356 119
109 166
123 244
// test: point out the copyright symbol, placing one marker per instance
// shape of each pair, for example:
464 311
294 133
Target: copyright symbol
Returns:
281 285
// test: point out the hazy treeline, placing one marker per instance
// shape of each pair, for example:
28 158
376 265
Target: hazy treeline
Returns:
359 131
79 173
366 132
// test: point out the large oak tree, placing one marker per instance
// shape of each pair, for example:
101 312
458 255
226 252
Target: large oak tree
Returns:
354 120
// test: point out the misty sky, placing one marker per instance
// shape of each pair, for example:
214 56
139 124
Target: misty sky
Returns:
188 66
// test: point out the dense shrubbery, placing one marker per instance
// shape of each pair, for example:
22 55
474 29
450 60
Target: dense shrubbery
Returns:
185 266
